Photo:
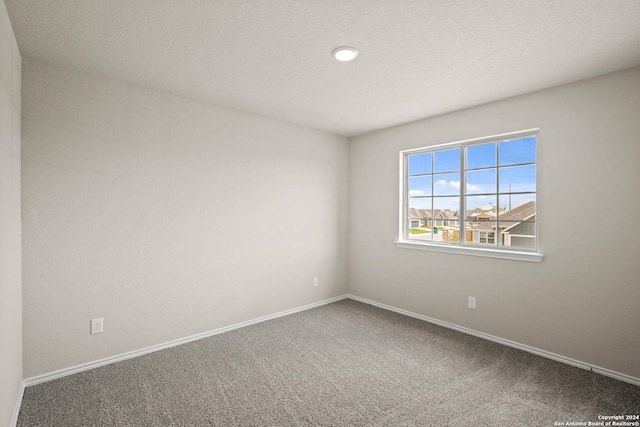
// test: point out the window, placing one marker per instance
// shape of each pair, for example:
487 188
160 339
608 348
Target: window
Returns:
487 237
477 196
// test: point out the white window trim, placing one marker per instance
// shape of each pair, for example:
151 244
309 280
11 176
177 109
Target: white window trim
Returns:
471 250
488 252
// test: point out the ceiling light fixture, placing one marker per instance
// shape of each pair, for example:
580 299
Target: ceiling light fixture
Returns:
345 53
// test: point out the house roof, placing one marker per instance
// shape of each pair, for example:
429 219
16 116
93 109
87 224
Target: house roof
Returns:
486 226
449 214
415 213
518 214
476 213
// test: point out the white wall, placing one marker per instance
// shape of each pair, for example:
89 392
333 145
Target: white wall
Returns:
166 216
582 300
10 252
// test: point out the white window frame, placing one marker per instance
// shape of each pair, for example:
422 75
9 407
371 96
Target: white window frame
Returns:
491 252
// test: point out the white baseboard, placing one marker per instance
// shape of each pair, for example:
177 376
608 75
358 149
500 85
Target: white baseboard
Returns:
113 359
16 410
559 358
129 355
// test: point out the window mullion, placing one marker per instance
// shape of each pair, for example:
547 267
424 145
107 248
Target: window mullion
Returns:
462 226
432 220
497 234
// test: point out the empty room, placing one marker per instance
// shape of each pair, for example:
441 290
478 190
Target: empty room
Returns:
319 213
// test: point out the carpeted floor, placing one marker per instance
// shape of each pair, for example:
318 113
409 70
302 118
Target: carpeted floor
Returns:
343 364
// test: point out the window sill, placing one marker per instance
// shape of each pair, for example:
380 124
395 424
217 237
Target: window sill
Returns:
473 251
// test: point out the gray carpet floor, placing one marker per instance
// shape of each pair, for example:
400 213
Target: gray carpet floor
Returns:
343 364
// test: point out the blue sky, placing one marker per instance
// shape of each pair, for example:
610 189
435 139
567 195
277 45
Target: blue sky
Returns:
437 174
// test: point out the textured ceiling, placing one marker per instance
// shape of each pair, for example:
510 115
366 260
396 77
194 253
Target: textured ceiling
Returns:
272 57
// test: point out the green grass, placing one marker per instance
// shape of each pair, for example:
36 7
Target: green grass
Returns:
418 231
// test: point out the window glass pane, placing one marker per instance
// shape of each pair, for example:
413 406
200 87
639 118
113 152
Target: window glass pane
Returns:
481 181
419 220
451 204
420 203
420 234
516 234
446 183
481 156
419 164
447 160
420 186
445 219
481 216
517 151
517 179
517 206
481 204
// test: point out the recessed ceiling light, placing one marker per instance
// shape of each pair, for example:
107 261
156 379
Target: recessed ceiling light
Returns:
345 53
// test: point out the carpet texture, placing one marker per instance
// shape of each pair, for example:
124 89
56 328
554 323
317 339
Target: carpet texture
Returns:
343 364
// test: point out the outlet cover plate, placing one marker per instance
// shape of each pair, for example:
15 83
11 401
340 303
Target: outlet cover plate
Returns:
97 325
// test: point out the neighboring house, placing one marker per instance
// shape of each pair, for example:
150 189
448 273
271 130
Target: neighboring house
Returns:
419 217
486 212
441 217
514 226
445 217
513 230
479 215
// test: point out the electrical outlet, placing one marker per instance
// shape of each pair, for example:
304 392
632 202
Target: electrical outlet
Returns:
471 303
315 281
97 325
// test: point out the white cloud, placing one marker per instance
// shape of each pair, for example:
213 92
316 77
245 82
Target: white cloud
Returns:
442 182
470 187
